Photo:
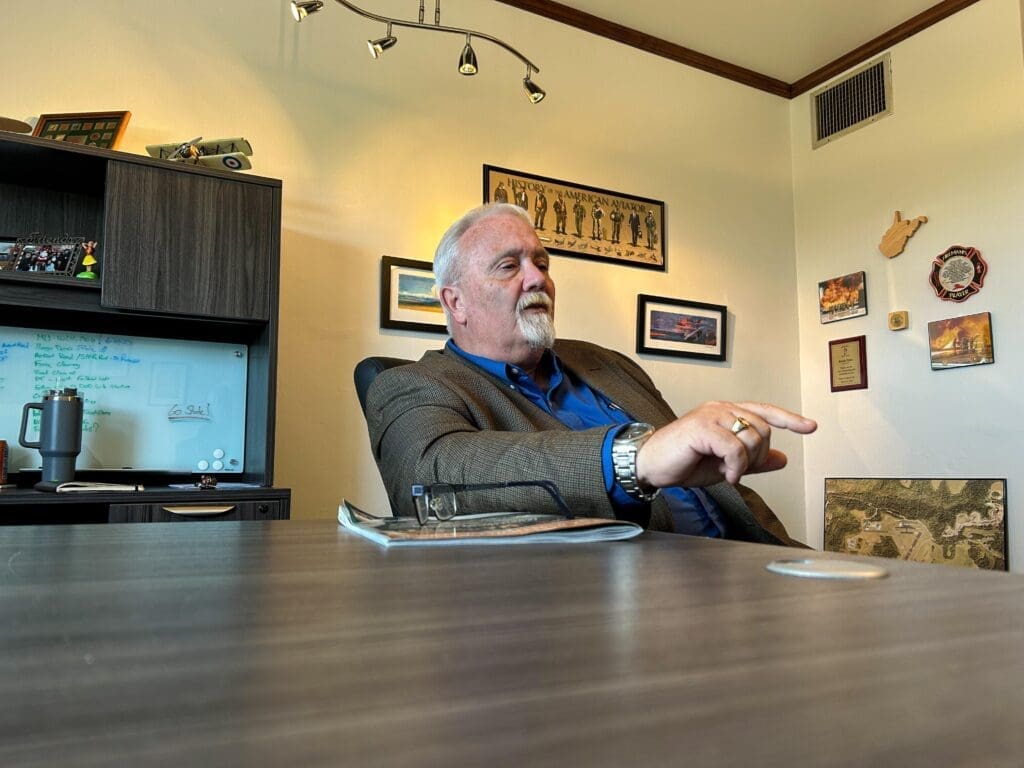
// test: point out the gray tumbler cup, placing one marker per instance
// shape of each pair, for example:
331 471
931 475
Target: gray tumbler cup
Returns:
60 433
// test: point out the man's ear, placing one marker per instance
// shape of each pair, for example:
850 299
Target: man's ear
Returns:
451 300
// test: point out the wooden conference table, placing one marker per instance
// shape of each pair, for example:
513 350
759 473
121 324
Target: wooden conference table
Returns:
296 644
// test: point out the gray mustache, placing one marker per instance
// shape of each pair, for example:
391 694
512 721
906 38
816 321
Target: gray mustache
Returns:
534 300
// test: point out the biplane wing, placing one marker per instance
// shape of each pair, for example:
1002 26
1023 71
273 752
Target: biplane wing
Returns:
224 147
232 161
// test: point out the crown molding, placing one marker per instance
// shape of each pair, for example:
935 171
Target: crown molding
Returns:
659 47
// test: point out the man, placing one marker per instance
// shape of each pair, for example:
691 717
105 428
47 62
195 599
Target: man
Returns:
634 226
540 210
505 401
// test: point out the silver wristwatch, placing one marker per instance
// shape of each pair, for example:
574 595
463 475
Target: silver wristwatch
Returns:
624 448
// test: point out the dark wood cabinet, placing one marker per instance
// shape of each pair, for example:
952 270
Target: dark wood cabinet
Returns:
185 253
189 244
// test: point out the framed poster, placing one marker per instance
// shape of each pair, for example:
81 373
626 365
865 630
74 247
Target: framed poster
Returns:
95 129
582 221
842 297
961 341
680 328
408 299
848 363
931 520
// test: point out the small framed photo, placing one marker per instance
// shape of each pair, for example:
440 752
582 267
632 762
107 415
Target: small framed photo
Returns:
842 297
45 255
961 341
8 253
848 363
408 298
94 129
680 328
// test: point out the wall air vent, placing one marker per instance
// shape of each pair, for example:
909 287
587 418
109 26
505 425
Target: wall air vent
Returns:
860 98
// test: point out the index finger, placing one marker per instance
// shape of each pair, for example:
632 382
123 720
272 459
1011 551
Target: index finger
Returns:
781 418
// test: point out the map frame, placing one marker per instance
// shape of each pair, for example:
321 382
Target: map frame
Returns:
951 521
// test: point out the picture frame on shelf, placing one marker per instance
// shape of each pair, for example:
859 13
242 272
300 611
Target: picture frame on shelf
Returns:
46 256
408 299
7 258
582 221
848 363
93 129
680 328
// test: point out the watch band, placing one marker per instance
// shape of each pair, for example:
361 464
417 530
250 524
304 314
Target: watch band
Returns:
624 450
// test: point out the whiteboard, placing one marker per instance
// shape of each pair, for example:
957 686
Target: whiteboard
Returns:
148 404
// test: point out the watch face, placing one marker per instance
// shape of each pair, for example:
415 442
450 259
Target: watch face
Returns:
635 431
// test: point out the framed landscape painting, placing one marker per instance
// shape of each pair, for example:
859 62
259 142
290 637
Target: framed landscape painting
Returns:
931 520
408 301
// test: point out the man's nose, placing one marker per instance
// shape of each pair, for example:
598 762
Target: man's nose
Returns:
534 278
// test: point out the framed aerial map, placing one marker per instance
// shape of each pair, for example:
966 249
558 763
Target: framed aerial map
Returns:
955 522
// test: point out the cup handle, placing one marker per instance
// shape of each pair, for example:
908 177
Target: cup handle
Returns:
24 424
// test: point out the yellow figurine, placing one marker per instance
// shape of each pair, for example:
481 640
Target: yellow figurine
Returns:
87 261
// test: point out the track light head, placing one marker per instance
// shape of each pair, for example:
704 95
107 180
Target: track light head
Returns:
302 8
467 61
377 47
534 92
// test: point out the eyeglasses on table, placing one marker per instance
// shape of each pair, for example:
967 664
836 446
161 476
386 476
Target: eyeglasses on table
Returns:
440 500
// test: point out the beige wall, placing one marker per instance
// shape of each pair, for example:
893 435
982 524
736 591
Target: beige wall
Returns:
954 151
377 157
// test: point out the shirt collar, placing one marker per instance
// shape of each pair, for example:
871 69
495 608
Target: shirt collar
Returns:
507 372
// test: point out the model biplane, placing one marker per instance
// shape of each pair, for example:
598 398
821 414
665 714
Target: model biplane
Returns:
230 154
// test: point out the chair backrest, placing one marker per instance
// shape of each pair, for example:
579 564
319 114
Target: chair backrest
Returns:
366 371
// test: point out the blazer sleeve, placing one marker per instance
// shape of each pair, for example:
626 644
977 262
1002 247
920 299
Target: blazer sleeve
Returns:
452 426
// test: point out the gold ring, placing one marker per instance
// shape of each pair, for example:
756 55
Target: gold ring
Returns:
739 425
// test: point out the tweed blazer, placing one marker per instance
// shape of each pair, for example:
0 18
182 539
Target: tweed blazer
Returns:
445 420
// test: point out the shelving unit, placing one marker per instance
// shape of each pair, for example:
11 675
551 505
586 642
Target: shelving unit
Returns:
185 253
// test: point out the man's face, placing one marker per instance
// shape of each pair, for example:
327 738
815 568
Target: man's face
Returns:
503 307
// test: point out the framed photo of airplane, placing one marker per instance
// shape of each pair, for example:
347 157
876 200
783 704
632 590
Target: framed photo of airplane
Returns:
408 300
586 222
680 328
93 129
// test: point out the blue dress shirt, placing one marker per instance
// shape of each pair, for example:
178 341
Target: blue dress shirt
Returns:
574 403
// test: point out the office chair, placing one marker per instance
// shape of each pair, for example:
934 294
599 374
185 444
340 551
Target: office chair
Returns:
366 371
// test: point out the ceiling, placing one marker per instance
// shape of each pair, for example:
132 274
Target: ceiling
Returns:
786 41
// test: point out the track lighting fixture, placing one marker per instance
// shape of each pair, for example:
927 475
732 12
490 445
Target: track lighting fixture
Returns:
534 92
377 47
467 61
302 8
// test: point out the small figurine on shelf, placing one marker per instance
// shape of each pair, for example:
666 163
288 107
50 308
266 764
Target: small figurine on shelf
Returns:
88 260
